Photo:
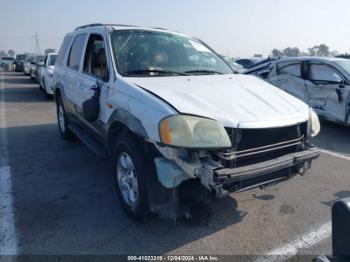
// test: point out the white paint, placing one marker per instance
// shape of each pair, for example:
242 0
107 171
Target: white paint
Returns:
8 237
234 100
331 153
302 242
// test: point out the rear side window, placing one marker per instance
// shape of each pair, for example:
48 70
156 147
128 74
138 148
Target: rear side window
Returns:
63 50
290 69
319 72
76 51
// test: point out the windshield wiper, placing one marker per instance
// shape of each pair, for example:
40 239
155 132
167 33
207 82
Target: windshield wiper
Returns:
204 71
158 71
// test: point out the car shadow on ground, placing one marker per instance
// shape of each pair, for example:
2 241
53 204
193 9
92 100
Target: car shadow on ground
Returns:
333 137
21 88
339 195
18 80
30 94
65 202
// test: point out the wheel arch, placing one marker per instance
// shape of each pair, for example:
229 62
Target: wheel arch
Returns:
122 122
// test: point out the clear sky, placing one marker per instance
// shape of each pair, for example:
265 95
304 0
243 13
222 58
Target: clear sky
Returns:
235 27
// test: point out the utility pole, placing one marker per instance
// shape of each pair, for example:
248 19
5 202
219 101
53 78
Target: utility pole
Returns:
37 46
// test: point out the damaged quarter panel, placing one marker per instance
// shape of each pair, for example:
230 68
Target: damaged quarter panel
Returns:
329 91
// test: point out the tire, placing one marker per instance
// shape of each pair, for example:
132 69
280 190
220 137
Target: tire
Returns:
47 95
41 88
131 164
62 121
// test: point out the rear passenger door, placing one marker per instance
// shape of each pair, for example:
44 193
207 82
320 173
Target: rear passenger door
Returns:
328 91
73 85
289 78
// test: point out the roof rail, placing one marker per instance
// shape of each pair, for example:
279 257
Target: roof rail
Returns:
99 24
89 25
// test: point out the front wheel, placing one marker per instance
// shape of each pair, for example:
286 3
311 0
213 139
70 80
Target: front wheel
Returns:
131 167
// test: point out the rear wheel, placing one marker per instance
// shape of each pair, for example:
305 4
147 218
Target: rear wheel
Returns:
131 168
40 86
62 120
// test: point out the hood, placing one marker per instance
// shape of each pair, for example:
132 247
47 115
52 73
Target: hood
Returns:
234 100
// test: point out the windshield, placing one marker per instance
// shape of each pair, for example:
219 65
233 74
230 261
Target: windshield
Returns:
345 65
154 53
52 60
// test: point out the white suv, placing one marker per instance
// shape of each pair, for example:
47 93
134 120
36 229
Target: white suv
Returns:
170 111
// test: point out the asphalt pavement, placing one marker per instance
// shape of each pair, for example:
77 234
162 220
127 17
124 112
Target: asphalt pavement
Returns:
61 199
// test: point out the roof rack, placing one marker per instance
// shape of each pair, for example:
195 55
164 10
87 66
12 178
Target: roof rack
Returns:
89 25
99 24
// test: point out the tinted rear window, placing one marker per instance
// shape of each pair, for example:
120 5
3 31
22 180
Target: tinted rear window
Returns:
76 51
63 50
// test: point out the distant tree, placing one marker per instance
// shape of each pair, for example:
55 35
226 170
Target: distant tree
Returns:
312 51
49 50
276 53
2 53
334 53
11 53
319 50
323 50
291 51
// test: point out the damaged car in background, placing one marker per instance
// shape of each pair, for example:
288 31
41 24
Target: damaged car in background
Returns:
323 83
170 111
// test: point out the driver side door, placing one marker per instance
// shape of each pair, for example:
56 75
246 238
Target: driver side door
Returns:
328 91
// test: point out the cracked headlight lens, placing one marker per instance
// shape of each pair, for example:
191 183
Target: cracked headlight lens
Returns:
193 132
314 123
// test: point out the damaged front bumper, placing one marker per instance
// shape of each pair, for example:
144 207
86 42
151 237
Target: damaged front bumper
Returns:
262 168
280 168
172 170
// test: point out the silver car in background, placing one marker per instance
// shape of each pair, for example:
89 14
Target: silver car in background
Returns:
323 83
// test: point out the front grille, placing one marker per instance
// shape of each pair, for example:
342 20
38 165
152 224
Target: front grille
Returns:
250 146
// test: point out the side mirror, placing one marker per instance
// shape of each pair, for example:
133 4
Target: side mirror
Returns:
91 107
342 83
341 228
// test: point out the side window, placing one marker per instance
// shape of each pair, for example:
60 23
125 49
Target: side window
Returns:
290 69
95 62
76 51
63 50
323 73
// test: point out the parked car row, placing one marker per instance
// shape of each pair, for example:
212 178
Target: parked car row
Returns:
170 111
6 62
40 69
